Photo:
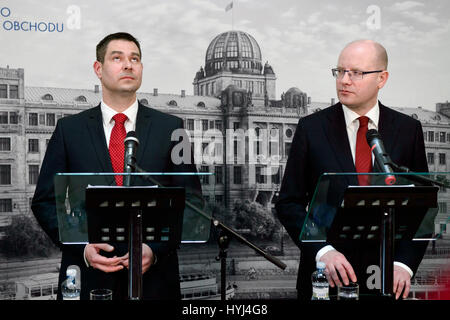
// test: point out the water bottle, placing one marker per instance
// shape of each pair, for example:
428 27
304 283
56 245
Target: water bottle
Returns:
320 286
70 288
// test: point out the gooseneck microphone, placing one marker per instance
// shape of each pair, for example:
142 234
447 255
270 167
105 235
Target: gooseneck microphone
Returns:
129 165
381 157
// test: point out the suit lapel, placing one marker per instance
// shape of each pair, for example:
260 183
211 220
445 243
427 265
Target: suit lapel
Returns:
97 134
336 133
143 130
386 128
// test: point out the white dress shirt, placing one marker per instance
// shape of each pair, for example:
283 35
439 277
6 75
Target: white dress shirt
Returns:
108 124
352 125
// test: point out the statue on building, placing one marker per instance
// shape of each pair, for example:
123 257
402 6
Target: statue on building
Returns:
268 68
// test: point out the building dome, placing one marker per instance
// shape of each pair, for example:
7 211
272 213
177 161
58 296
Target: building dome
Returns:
234 51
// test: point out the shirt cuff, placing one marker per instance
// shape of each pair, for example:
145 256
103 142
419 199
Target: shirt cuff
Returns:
84 257
404 266
322 251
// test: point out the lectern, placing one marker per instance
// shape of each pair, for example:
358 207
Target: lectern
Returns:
341 211
91 209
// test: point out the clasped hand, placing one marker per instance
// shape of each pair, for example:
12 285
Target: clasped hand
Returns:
114 264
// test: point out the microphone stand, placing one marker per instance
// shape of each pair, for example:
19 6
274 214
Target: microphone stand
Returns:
226 233
420 179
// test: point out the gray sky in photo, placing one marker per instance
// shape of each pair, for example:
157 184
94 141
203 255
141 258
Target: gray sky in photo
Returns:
300 39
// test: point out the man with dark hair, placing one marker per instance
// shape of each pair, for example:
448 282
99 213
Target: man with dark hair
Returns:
103 44
92 141
333 140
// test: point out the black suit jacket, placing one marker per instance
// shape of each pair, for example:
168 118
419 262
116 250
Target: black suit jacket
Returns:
321 145
78 144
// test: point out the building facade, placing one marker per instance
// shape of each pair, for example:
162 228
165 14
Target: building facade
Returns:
238 129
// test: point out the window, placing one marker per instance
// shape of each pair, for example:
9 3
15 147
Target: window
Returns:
219 198
5 174
431 136
3 91
33 145
13 117
81 99
204 179
441 136
287 148
430 158
190 124
218 124
276 175
14 92
5 144
236 125
5 205
3 117
47 97
442 207
441 158
172 103
205 125
33 173
51 119
33 119
218 171
237 175
260 178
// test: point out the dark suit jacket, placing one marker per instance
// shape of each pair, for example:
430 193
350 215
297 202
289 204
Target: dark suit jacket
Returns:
321 145
78 144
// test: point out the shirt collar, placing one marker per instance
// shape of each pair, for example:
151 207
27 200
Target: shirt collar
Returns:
108 113
351 116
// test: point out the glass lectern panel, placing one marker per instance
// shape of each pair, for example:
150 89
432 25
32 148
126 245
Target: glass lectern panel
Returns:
73 212
419 204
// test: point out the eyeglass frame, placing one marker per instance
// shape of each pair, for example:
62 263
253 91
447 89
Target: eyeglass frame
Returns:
345 71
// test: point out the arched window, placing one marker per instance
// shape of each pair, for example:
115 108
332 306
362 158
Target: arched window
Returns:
81 99
172 103
201 104
414 116
144 101
47 97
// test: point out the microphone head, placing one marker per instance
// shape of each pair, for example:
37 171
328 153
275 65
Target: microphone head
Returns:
131 136
371 134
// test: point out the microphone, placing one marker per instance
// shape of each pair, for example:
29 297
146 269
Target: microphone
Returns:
381 157
129 165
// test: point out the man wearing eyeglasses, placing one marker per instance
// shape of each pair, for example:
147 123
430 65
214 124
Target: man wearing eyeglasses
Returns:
333 140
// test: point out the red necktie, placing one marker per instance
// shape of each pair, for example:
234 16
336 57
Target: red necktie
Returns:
116 145
363 154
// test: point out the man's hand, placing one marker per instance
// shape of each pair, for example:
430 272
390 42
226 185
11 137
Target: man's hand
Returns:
100 262
402 282
336 262
147 258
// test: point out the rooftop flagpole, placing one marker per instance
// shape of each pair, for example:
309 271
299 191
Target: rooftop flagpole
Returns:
228 8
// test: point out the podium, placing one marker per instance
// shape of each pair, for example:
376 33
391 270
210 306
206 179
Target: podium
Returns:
342 212
92 209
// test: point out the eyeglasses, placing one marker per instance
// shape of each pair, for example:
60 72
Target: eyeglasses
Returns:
352 74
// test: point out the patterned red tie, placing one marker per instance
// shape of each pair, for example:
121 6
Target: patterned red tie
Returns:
363 154
116 145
